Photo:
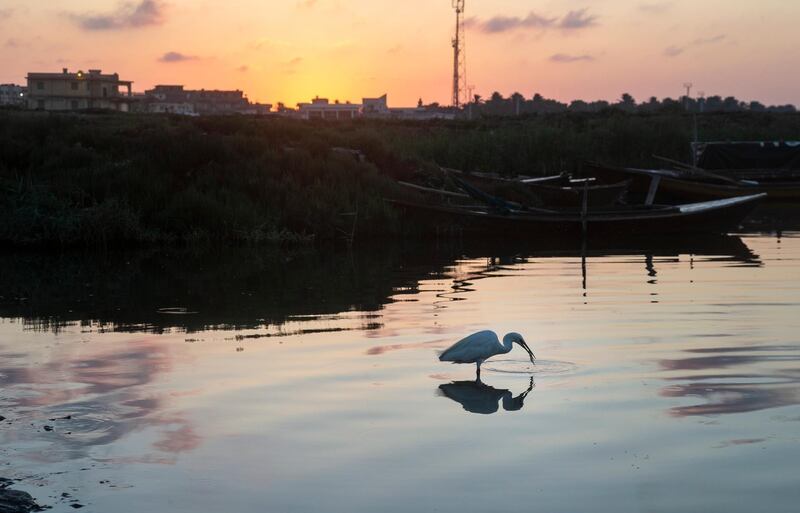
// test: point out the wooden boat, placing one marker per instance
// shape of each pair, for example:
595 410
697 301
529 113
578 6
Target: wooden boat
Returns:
571 194
557 191
668 185
494 178
720 216
762 161
516 189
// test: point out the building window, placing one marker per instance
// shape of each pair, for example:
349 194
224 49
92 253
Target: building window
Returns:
105 92
74 86
74 104
40 104
40 85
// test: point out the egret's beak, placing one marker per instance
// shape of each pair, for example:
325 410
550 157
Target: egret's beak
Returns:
528 349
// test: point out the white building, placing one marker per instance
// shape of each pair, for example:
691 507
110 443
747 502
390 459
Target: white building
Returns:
321 108
379 108
12 94
376 107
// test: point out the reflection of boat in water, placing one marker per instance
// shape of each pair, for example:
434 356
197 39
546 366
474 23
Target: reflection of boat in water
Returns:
478 397
515 251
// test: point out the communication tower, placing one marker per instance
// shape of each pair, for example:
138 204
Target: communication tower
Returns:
459 55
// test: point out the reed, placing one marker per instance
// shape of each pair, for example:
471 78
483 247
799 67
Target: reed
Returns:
126 180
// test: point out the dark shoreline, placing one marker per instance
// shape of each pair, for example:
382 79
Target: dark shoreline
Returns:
100 181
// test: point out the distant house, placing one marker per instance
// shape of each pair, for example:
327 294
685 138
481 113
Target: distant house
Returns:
167 99
379 108
422 113
78 91
376 107
12 94
321 108
177 100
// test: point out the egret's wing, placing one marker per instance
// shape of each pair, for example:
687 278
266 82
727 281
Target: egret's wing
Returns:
478 346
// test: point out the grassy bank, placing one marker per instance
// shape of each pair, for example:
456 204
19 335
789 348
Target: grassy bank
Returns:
116 180
124 180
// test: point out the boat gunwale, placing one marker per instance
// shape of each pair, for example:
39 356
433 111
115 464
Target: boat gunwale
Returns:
663 212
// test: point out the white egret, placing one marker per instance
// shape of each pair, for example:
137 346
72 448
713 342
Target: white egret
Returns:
480 346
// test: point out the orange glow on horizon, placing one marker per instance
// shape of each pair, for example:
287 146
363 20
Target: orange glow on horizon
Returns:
349 49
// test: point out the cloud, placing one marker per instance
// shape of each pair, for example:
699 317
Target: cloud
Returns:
579 19
6 14
709 40
566 58
127 16
306 4
674 51
290 66
505 23
244 68
573 20
176 57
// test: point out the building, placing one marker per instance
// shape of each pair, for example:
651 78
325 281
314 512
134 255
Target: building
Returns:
167 99
422 113
177 100
78 91
321 108
12 95
376 107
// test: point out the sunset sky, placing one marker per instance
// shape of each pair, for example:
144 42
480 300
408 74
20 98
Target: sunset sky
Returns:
292 50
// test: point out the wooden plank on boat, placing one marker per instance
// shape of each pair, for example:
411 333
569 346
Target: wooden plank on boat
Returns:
651 193
434 191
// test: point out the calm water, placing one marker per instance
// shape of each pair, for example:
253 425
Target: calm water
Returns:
238 381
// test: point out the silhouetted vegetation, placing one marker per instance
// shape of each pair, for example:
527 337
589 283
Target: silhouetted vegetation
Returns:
539 144
123 180
516 105
104 180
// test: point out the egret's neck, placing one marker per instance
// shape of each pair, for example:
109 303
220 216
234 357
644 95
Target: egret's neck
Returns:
508 343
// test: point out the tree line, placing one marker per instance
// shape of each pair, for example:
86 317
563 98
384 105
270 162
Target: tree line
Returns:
518 105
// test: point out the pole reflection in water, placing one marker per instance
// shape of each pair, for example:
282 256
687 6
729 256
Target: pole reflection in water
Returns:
478 397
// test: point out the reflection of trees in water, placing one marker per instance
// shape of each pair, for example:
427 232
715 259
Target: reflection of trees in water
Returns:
478 397
735 392
106 401
153 291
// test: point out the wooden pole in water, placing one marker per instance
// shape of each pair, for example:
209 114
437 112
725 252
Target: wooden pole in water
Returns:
585 208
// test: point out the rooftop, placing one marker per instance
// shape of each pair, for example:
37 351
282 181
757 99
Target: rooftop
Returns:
92 74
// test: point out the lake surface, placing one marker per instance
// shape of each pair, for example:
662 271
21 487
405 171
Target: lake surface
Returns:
666 380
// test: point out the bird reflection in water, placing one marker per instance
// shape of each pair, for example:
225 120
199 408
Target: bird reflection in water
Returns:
478 397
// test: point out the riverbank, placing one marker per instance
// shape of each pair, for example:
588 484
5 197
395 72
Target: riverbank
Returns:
107 180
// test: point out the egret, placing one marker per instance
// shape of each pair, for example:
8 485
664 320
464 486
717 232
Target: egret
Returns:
480 346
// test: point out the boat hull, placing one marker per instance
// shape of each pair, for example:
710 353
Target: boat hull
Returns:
676 190
712 217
